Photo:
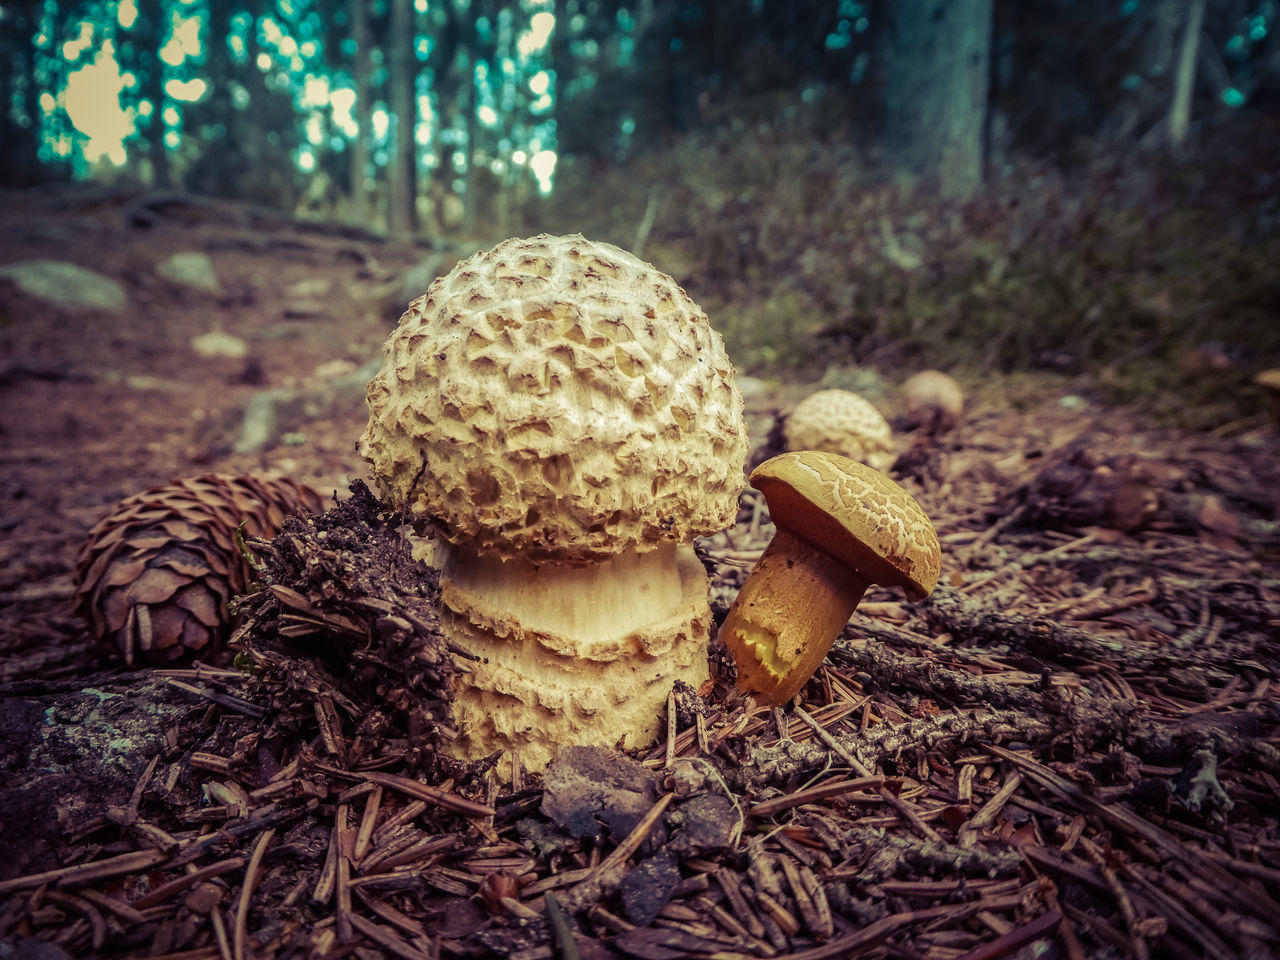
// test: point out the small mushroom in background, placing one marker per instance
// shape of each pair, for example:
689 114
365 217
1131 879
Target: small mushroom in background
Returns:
841 526
1269 381
934 402
566 419
840 422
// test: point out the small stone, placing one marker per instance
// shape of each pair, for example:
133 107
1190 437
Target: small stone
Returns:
414 281
335 368
648 886
191 269
309 289
594 792
752 387
66 284
863 381
217 343
304 310
704 823
269 416
141 381
30 948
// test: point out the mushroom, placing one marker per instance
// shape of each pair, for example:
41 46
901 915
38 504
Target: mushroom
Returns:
841 526
934 401
565 419
842 422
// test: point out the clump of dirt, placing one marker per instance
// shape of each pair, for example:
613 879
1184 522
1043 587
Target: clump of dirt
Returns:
347 617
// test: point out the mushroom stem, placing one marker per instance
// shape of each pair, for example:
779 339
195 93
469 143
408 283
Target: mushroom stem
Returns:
571 653
787 615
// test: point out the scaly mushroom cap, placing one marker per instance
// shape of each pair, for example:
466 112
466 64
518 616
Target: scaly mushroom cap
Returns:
558 398
856 514
838 421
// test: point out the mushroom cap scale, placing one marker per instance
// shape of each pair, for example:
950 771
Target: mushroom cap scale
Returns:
558 399
855 514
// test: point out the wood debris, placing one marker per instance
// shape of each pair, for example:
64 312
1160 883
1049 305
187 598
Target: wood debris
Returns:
1074 742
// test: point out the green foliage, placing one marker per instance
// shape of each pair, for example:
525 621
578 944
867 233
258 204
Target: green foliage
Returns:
805 255
732 144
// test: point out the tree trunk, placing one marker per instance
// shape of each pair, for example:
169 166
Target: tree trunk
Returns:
936 91
467 104
19 158
1185 81
562 69
153 19
400 82
360 114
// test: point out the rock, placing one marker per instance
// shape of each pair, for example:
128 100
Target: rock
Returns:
65 757
144 382
217 343
751 387
594 792
333 369
648 886
141 381
704 823
305 310
191 269
66 285
30 948
271 415
414 281
309 289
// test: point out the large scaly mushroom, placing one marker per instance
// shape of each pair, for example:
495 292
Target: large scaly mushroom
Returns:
566 419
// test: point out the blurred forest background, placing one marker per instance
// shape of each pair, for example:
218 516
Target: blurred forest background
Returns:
1087 188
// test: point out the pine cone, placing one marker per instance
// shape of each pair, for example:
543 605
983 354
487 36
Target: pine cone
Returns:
155 575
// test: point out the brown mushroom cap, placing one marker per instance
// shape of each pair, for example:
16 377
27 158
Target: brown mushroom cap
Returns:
855 514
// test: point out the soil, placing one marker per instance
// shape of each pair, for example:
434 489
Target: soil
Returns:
1076 739
97 407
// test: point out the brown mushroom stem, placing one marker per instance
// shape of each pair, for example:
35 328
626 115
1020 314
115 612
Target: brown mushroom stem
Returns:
787 615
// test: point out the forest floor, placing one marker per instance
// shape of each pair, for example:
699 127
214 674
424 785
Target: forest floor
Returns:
1074 742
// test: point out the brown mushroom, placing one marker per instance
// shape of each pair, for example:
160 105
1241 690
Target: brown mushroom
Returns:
934 401
841 526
